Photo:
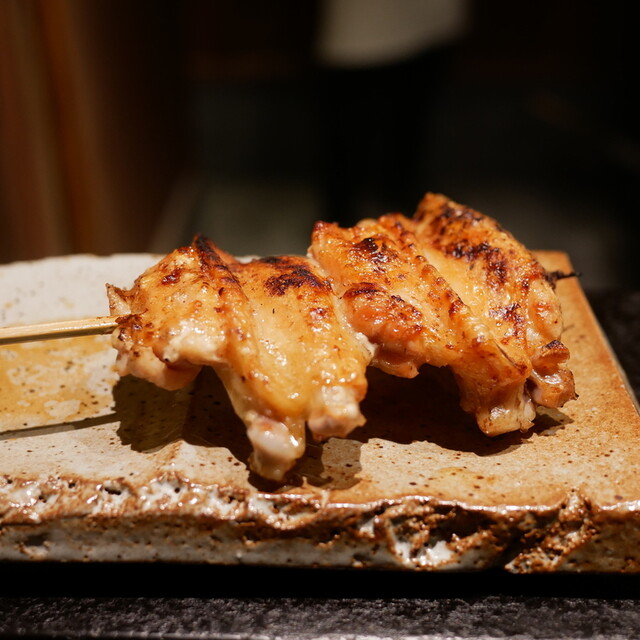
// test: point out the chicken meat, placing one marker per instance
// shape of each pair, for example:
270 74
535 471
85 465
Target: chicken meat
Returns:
272 330
501 281
413 316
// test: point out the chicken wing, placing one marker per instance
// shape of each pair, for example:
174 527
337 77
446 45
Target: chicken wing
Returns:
273 331
291 337
414 317
502 282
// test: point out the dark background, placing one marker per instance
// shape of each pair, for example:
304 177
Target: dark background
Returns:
164 118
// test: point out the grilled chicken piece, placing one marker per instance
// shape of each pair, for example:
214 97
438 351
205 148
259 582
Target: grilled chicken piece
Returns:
414 317
503 283
291 337
273 331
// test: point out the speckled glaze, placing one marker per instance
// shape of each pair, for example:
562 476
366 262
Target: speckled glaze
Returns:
93 467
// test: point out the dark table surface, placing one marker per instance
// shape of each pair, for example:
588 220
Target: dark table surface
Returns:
178 601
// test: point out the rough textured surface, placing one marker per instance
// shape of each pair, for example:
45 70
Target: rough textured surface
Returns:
96 468
197 601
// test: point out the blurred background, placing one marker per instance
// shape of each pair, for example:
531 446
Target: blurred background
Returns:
127 126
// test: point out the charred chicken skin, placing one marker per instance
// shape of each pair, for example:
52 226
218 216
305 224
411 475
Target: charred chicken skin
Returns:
414 317
291 337
272 330
502 282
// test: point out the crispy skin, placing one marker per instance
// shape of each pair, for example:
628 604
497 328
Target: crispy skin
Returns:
273 331
502 282
166 332
413 316
291 337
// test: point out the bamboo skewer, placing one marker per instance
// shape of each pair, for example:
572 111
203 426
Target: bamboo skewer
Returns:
62 329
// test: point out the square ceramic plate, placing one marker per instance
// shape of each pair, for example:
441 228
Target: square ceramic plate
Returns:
93 467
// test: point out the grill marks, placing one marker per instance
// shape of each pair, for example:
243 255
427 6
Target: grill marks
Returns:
455 234
294 273
496 264
375 250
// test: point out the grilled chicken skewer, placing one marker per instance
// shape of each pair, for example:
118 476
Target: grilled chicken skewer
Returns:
273 331
291 337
